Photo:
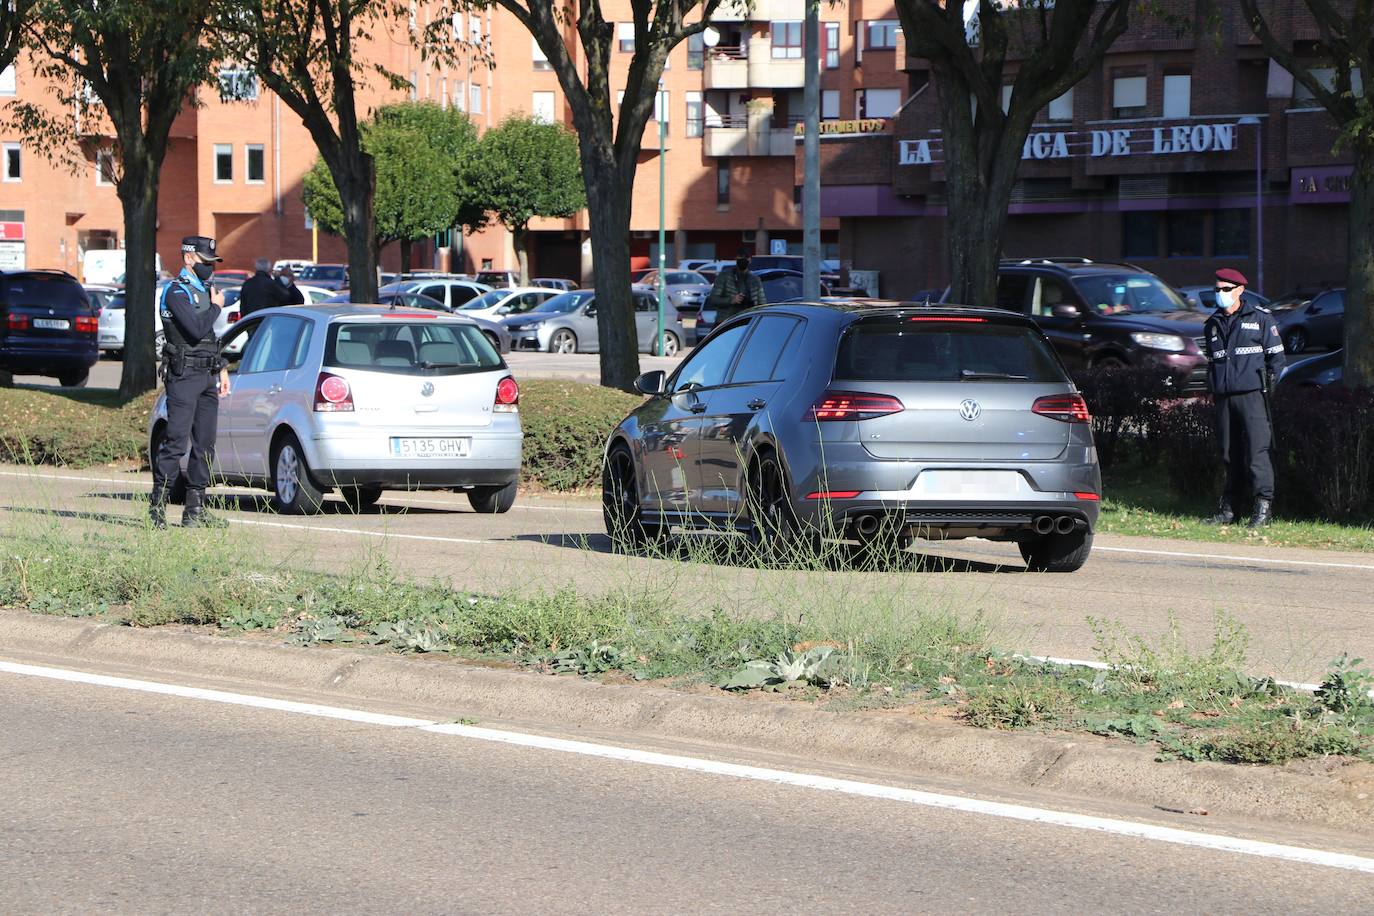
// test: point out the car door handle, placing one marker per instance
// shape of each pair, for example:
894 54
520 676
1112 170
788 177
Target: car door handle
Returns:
757 404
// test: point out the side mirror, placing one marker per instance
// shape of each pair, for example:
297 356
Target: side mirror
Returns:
652 383
504 310
1064 310
590 312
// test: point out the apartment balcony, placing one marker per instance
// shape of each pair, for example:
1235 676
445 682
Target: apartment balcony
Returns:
726 68
768 72
760 11
735 135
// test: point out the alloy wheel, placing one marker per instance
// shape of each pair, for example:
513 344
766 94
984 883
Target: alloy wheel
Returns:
288 474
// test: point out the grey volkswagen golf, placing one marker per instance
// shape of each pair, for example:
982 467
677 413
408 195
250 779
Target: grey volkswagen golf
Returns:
864 421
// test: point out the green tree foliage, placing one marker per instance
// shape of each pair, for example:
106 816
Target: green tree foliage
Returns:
523 169
420 152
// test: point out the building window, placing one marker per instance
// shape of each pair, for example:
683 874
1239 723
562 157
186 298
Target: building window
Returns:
832 45
830 104
1231 234
663 106
877 103
1139 235
786 39
237 84
694 114
224 163
1178 95
723 180
475 98
1061 109
104 167
14 167
475 28
541 60
254 164
1128 97
9 83
460 95
457 26
882 34
696 52
626 31
542 108
414 86
1007 89
1187 233
309 220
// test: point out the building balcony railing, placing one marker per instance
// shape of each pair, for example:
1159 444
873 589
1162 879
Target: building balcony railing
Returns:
733 135
727 67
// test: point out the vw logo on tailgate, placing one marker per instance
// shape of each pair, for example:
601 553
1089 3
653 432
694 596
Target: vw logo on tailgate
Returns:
427 389
970 409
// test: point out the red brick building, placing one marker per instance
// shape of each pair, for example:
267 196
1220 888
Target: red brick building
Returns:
1151 159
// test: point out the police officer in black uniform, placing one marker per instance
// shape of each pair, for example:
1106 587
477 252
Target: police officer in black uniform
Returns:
196 379
1245 355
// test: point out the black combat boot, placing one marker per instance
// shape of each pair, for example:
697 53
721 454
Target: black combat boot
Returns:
1225 515
1264 513
195 515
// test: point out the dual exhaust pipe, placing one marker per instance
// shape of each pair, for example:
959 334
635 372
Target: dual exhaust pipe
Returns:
1064 524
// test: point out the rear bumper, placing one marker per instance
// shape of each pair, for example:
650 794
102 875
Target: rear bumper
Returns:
364 458
47 360
986 517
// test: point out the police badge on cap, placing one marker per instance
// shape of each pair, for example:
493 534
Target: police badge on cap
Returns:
202 246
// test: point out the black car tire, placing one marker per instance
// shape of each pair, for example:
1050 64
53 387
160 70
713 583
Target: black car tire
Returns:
360 499
294 492
76 378
1057 553
1295 340
620 507
493 500
774 529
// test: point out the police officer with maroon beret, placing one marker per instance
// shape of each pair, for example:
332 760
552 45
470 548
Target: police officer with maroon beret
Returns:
1245 355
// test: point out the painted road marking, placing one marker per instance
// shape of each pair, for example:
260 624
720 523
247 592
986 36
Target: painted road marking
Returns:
1049 817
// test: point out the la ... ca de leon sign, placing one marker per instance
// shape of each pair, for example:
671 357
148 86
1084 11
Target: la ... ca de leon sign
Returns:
1103 144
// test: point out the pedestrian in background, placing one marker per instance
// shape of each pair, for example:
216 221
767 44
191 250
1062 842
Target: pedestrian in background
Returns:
260 291
287 279
736 288
1244 357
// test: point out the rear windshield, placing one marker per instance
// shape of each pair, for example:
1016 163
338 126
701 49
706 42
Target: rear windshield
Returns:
46 290
321 272
401 347
899 349
490 278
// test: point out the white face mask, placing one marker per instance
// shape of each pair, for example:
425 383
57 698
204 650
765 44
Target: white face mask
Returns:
1226 299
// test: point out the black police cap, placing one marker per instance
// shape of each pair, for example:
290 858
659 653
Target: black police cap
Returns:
201 245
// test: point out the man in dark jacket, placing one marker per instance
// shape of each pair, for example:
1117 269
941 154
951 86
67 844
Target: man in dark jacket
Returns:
287 279
736 289
260 291
1245 355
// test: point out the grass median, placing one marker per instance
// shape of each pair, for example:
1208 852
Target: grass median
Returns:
825 642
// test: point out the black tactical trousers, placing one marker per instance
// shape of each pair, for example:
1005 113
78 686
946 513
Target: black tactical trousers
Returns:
192 414
1243 428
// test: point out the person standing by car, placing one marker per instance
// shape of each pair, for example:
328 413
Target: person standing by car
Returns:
1244 356
260 291
736 289
287 279
190 366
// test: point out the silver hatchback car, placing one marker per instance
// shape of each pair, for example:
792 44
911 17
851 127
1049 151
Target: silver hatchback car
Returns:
364 399
567 323
868 422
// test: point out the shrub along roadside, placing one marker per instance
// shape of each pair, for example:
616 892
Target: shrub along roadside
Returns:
1197 706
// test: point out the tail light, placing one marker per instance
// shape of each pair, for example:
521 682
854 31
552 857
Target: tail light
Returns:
87 324
332 394
507 396
851 405
17 322
233 317
1071 408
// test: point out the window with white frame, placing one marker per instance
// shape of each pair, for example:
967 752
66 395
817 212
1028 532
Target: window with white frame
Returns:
224 163
9 82
1178 95
877 103
1007 89
104 167
882 34
541 60
475 28
14 165
1326 76
663 105
786 39
1061 109
237 84
695 114
832 45
460 95
830 104
1129 94
457 26
696 51
475 98
254 164
542 107
626 33
414 86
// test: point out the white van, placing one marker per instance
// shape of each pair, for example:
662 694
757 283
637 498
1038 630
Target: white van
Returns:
105 266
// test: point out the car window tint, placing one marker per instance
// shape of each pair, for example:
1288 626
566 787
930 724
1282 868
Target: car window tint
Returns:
707 366
1330 301
302 345
461 295
1011 292
410 348
236 343
764 346
434 292
274 346
1049 292
646 303
893 349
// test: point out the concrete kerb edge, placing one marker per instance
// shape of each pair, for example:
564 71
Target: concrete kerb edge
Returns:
1084 766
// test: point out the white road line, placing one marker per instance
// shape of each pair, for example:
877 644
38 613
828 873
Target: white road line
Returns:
1133 829
386 535
1232 558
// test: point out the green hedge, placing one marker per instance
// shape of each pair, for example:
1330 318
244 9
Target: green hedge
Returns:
566 427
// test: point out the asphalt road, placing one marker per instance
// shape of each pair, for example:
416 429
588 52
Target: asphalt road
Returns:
123 801
1301 608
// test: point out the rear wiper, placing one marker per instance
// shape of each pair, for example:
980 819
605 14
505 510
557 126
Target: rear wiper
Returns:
967 374
427 365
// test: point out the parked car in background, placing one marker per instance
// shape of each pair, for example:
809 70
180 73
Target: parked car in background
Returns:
99 296
778 286
496 304
498 279
47 326
314 294
877 424
105 266
295 265
1320 324
1204 298
558 283
686 289
325 276
1323 370
496 333
567 323
112 318
452 293
363 400
694 263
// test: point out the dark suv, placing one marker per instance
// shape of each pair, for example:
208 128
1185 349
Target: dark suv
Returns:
1104 314
47 326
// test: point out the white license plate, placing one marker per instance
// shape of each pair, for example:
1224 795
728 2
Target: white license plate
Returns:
942 483
689 322
430 448
52 324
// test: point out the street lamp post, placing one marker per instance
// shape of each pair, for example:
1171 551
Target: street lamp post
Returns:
1252 121
662 232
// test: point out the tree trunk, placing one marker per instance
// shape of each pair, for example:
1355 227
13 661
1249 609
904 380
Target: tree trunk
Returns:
609 212
354 177
405 255
520 238
138 189
1359 285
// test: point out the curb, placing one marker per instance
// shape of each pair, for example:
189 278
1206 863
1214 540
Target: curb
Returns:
1312 793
